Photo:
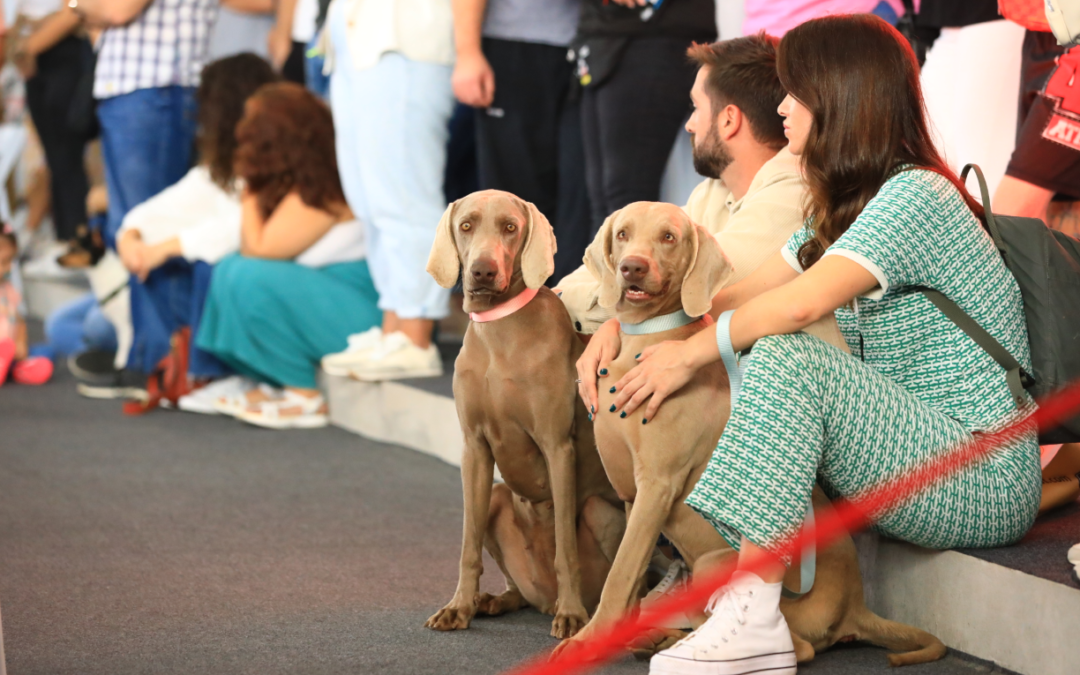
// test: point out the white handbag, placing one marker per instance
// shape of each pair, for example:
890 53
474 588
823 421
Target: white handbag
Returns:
1064 19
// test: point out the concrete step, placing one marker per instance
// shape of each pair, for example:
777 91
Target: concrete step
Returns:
1016 607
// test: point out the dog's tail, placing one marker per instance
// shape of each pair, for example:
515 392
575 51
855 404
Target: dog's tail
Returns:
912 644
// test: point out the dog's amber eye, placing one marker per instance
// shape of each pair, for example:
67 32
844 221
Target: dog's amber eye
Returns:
669 237
465 227
621 234
510 227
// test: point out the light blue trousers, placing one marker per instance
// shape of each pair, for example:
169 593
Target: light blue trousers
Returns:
391 123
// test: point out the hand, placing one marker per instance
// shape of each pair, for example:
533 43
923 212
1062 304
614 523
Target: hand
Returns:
26 63
662 370
595 360
278 46
153 257
132 252
473 80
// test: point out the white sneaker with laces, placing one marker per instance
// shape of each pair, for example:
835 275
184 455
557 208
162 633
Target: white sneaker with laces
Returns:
202 400
361 347
745 634
676 579
399 359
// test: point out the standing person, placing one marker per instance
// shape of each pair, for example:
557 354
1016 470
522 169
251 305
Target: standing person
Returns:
148 64
241 26
887 217
53 58
390 92
631 61
511 66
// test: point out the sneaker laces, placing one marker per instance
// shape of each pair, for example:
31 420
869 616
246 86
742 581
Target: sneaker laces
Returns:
675 575
725 605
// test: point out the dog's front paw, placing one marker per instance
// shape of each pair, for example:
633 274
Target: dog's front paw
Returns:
566 647
655 640
567 624
452 617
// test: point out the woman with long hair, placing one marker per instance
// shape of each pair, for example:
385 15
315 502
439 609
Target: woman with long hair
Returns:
885 219
300 285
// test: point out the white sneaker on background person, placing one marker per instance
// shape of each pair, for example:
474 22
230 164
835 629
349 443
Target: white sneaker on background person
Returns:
745 634
361 346
674 581
399 359
202 400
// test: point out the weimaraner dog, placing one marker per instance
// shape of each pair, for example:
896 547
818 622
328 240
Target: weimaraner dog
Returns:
555 524
652 261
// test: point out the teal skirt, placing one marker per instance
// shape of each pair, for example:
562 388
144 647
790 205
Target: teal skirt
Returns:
274 320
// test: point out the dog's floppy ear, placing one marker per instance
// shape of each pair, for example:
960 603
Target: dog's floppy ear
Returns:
538 253
599 263
443 263
706 273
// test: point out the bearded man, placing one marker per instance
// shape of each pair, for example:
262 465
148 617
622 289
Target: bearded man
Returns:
752 195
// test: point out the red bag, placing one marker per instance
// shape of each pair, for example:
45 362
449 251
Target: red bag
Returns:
1030 14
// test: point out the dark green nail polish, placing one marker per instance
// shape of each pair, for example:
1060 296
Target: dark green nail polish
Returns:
644 421
592 408
603 371
638 356
612 408
590 417
623 415
611 391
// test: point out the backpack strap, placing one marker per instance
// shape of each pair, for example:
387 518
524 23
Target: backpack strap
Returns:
991 221
1015 375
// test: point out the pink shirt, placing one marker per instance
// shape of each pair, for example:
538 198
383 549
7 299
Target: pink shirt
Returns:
777 17
9 310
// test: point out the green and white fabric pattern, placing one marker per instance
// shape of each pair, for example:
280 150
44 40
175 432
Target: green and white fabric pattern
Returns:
914 386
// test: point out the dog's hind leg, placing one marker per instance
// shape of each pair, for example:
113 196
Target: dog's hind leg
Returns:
500 519
913 644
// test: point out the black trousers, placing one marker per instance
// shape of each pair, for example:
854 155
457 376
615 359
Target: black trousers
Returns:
293 70
529 141
631 120
49 95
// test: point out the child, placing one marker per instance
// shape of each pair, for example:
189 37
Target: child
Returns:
13 347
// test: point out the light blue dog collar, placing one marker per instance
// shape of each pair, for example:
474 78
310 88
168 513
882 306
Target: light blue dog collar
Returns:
658 324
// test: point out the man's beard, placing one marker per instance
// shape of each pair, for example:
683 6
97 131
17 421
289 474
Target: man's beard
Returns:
711 157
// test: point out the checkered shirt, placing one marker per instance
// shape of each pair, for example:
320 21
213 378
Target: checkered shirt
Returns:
166 45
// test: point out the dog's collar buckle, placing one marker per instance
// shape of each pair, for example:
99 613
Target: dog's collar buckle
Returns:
658 324
507 308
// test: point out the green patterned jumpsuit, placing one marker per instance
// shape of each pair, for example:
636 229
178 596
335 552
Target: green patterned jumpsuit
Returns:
913 386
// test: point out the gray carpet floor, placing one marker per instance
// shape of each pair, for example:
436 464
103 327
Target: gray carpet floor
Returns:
175 543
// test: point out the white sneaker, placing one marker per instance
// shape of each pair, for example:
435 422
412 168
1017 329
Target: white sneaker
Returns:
360 348
202 400
398 359
745 634
676 579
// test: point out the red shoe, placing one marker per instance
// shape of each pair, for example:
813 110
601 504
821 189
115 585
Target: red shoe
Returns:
34 370
7 355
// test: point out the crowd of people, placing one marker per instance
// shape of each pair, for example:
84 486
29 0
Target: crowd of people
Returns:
275 173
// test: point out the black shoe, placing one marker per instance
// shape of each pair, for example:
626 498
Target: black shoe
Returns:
98 378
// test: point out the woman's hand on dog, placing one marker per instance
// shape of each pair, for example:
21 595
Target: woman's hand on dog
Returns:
662 370
594 362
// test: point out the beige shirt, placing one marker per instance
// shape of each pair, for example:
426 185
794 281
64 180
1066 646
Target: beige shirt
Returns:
749 230
421 30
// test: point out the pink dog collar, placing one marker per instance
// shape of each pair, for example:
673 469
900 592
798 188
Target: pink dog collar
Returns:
507 308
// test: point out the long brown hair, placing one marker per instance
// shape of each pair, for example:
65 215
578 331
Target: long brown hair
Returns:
859 79
285 143
224 86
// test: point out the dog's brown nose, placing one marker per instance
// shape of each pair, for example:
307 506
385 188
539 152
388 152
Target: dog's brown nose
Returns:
634 268
484 270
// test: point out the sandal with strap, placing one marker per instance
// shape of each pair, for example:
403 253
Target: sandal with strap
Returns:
234 404
270 414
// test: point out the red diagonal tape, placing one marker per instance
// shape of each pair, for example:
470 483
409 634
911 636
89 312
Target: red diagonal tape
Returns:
849 515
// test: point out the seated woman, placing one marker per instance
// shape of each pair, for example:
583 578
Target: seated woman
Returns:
300 286
886 217
169 242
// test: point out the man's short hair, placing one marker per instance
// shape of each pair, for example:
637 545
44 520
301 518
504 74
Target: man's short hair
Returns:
742 73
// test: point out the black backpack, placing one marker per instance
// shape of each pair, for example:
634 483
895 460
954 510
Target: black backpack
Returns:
1046 265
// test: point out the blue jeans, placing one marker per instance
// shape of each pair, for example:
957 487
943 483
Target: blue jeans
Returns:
171 298
318 83
146 144
79 326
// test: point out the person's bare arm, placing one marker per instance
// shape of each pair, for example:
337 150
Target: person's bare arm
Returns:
473 80
289 231
773 273
52 30
665 368
22 343
279 39
111 12
250 6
